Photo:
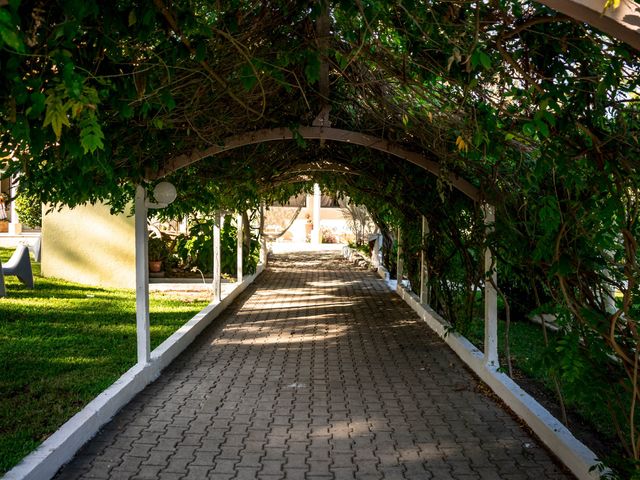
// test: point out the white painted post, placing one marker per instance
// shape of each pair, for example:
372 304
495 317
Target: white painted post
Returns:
14 222
490 296
218 220
424 274
142 277
400 261
609 293
264 254
610 301
239 245
375 254
316 234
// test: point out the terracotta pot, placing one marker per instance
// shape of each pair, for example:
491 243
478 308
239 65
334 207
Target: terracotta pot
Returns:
4 227
155 266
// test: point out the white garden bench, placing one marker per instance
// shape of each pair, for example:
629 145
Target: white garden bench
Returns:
18 265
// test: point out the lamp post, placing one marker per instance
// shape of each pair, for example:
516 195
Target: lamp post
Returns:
164 193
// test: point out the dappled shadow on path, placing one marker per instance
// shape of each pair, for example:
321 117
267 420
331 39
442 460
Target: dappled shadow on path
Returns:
316 370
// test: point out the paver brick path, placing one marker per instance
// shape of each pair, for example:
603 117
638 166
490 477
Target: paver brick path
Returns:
316 372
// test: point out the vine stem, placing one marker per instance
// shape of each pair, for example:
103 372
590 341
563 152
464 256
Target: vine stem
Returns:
176 29
554 377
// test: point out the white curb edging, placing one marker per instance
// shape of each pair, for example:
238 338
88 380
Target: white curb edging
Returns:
44 462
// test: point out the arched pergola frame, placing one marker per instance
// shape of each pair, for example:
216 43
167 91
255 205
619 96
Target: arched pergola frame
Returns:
321 133
316 133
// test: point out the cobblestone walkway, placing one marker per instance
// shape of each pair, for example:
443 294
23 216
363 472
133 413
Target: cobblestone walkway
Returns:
315 372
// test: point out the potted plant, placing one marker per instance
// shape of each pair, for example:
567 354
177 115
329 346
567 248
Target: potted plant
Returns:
157 254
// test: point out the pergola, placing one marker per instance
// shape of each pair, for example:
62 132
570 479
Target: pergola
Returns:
622 22
456 90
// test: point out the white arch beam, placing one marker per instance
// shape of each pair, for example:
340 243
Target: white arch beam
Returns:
622 23
316 133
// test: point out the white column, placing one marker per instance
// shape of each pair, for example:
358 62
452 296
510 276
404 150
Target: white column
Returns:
400 261
375 254
142 277
217 285
239 244
316 235
14 221
424 274
263 240
490 296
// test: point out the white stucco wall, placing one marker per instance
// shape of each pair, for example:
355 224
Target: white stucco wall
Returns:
89 245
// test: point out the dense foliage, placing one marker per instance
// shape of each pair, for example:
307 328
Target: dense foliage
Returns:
538 111
194 251
29 209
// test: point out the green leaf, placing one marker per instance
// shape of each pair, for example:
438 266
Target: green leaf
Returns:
132 17
37 104
167 100
485 60
563 266
201 51
247 77
549 214
91 143
549 118
91 134
126 111
342 60
529 129
9 32
312 69
543 129
480 58
475 59
12 39
56 112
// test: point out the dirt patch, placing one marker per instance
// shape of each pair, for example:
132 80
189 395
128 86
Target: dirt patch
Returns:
581 429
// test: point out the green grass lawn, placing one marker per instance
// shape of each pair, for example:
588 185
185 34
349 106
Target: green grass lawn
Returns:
60 346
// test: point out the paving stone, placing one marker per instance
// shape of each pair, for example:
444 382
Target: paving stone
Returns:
148 472
157 457
316 371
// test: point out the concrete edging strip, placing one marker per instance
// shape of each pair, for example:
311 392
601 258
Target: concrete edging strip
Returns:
62 445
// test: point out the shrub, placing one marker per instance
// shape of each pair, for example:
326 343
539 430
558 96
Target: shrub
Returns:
158 250
196 249
29 209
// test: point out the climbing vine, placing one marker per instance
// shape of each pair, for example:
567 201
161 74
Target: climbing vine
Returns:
538 111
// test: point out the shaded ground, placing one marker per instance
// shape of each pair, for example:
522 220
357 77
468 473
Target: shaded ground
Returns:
316 371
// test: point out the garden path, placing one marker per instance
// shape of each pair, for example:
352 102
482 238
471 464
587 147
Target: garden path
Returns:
317 371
